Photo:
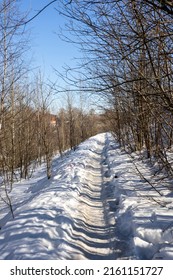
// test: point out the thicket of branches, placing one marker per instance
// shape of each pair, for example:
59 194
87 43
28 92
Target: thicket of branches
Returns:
129 60
29 133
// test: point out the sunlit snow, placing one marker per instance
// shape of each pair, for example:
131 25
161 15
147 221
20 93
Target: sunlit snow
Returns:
95 206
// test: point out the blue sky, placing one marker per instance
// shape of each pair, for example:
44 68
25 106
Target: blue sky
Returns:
47 48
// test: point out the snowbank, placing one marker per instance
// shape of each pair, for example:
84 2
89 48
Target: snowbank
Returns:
144 216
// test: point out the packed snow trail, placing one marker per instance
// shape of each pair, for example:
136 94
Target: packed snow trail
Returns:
95 206
67 217
87 235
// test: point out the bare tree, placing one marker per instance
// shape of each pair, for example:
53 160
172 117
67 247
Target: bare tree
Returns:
12 47
45 135
127 47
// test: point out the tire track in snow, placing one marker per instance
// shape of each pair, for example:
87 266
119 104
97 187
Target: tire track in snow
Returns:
120 236
90 235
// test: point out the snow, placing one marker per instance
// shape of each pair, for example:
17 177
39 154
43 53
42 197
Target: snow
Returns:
95 206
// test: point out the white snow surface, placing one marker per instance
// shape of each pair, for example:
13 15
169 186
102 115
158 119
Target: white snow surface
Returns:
95 206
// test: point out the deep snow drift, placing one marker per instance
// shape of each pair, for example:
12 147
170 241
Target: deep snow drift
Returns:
95 206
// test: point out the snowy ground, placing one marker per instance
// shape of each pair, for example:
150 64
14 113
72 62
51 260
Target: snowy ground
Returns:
95 206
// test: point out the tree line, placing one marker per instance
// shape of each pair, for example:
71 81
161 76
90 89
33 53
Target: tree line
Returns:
127 47
129 62
29 133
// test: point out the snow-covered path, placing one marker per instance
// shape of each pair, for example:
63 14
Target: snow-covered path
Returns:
95 206
67 218
89 234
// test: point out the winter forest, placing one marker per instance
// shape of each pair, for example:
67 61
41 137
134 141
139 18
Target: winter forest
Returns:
83 155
